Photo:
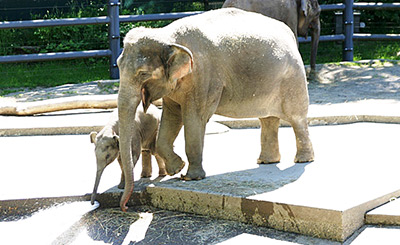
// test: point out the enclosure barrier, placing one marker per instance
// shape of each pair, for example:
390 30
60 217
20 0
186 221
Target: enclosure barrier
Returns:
113 19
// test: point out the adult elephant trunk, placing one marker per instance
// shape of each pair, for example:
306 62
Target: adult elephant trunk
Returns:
316 29
128 100
96 184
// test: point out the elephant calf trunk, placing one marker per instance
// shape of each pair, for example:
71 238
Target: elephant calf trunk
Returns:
96 185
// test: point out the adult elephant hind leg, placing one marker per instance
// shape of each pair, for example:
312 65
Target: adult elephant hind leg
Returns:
171 124
269 141
305 152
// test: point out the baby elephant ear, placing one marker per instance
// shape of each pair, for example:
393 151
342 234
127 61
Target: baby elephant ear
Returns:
93 137
180 62
116 139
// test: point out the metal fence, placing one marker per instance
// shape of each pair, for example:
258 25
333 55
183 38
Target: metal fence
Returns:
113 19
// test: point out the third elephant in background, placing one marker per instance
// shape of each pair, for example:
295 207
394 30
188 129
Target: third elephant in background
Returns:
299 15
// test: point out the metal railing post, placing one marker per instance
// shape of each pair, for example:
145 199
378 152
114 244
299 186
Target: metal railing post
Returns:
114 37
348 19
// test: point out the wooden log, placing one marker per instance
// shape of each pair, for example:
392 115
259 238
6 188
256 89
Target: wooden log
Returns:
8 107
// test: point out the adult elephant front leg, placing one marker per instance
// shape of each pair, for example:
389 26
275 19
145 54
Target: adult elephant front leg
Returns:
171 124
195 127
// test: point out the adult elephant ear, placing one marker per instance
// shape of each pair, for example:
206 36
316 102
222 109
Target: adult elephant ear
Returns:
180 62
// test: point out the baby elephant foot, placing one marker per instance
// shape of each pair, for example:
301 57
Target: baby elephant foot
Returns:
145 175
304 156
174 166
121 185
194 174
162 172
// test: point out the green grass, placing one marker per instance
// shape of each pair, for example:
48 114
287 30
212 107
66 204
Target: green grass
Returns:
52 73
331 52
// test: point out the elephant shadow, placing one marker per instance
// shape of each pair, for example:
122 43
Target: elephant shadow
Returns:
265 178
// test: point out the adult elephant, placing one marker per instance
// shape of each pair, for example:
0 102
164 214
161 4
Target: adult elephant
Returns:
229 62
299 15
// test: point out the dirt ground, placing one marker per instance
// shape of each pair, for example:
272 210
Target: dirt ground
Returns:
346 82
331 83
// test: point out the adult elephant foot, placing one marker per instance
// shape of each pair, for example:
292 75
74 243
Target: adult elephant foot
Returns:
194 174
175 166
304 156
268 160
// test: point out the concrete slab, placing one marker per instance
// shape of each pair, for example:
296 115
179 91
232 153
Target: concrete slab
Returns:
50 166
327 198
59 165
66 122
378 235
387 214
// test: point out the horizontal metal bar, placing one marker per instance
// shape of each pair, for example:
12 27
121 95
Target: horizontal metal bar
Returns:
54 56
376 6
54 22
376 37
332 7
153 17
325 38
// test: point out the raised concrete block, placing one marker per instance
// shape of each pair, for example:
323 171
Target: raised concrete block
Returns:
355 170
387 214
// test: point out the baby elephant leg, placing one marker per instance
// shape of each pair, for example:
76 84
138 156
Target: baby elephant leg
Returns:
121 184
161 166
269 141
146 164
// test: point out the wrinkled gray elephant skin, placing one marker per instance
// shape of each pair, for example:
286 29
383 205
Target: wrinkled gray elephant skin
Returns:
299 15
145 129
229 62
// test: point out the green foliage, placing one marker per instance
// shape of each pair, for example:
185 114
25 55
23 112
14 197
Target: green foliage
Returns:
377 21
60 38
52 73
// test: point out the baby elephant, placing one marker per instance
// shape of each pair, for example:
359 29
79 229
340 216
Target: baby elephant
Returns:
106 143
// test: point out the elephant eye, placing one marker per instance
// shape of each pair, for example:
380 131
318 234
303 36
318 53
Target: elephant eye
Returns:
107 156
144 74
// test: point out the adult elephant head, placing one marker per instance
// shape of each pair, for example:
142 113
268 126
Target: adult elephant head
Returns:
148 71
299 15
